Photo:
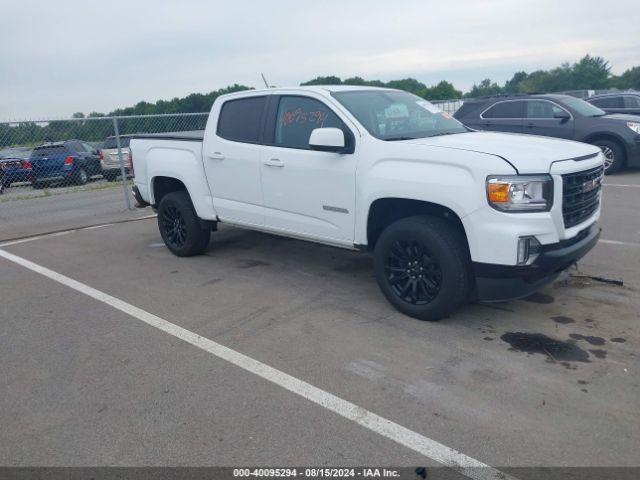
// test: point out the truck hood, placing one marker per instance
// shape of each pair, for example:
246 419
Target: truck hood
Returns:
527 153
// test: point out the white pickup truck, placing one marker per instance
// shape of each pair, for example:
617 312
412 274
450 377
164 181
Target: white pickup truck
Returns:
450 214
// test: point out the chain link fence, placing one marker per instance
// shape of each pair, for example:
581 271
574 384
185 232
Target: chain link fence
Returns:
63 173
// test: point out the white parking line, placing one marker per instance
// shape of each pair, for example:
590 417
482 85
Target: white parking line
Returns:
72 230
617 242
429 448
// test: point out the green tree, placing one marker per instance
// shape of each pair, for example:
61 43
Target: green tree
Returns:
484 88
513 85
330 80
590 73
630 79
442 91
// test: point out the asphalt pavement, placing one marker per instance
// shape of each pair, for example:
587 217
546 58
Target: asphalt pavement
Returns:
552 380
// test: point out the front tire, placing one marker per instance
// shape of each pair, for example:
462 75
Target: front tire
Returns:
422 267
180 227
614 155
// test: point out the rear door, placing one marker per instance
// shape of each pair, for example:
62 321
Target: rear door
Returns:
307 192
231 156
542 119
503 116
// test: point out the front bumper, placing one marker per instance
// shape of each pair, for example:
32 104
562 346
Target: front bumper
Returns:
633 152
495 283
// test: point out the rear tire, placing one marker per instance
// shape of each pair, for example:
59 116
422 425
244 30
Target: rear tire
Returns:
181 229
39 185
111 177
614 155
82 177
422 267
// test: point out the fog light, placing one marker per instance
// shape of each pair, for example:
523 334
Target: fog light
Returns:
528 250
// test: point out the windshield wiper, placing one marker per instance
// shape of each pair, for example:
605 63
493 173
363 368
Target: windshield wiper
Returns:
394 139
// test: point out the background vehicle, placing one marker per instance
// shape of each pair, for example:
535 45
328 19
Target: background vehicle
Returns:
620 102
562 116
109 160
71 161
14 170
448 213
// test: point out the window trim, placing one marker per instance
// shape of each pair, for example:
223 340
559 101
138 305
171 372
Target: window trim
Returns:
524 117
271 121
260 120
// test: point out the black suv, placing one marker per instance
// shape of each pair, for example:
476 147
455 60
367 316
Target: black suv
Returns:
620 102
561 116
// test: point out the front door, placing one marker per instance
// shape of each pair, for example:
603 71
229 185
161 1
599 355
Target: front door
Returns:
306 192
542 119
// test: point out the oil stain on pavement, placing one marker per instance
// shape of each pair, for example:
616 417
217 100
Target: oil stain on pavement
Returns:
538 343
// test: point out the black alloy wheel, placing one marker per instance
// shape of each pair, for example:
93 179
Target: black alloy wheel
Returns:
412 272
174 226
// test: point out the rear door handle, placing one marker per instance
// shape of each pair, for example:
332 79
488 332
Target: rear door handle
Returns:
216 156
274 162
531 125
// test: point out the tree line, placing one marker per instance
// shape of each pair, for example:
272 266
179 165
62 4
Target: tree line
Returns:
588 73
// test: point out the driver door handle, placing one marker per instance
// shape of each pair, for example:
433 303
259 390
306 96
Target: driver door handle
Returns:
216 156
274 162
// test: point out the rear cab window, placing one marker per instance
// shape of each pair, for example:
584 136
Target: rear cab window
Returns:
240 119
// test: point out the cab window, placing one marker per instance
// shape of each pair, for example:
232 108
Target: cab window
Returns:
298 116
240 119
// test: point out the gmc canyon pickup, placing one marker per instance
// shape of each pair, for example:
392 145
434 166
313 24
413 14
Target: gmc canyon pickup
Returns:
450 214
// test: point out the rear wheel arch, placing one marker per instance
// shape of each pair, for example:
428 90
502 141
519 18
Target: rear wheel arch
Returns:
162 185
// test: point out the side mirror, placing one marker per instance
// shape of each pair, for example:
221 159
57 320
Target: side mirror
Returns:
327 140
561 115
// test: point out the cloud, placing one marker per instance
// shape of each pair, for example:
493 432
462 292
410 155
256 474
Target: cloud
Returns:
61 57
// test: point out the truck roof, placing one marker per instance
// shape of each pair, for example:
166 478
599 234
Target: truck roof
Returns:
309 88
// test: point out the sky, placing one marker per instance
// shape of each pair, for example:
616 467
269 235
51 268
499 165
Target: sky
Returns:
60 57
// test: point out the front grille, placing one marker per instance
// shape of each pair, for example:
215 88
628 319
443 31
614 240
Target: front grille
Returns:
581 195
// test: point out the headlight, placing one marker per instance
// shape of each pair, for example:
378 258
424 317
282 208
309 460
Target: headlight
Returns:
635 126
520 193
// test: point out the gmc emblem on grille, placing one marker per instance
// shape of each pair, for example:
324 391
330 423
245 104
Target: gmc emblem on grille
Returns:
590 185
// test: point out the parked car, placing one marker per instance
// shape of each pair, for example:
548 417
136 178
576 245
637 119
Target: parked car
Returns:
109 159
13 170
71 161
449 214
562 116
620 102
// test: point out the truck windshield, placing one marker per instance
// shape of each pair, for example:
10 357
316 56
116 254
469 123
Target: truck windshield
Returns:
395 115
